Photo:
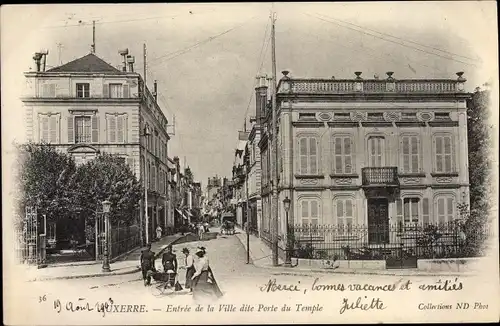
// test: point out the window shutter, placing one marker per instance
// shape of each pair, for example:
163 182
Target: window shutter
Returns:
425 211
337 145
53 129
406 154
71 129
303 155
105 90
126 91
112 129
347 154
447 154
313 156
399 211
119 128
95 129
44 134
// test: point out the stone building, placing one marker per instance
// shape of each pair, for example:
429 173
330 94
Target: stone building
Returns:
373 152
86 107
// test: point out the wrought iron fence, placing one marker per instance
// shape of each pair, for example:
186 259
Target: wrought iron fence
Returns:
381 242
124 239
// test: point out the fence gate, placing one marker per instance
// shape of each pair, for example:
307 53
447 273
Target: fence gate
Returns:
100 235
31 243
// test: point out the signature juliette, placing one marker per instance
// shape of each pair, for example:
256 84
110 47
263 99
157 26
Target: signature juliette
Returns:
375 304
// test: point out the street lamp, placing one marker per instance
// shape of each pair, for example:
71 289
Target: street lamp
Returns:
288 254
106 207
146 133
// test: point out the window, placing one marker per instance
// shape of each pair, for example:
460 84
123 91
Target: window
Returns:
344 212
443 148
154 178
82 90
49 128
342 116
376 151
342 154
411 211
83 130
115 90
309 212
442 116
445 208
307 116
308 153
409 116
116 127
376 116
411 154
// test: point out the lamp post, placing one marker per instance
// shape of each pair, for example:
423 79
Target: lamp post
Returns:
146 134
106 206
288 254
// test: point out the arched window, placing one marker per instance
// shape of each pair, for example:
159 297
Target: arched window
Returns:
444 208
443 153
376 149
344 211
342 154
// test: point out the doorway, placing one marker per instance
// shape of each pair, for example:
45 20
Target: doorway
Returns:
378 221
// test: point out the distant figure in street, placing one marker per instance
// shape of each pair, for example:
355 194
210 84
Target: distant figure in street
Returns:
147 264
158 232
189 267
204 284
201 231
169 263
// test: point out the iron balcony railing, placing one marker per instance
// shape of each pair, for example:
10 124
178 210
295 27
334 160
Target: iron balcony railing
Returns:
387 176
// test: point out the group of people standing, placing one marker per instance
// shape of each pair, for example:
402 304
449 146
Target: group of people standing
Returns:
200 278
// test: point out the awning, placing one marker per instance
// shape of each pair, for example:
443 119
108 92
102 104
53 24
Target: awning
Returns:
182 214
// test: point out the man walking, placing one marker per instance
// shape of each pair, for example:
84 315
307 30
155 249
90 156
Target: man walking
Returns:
147 264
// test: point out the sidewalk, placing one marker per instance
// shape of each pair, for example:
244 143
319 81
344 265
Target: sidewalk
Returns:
127 264
261 256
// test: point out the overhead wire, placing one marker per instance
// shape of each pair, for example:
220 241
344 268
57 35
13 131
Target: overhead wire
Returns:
392 41
399 38
175 54
88 21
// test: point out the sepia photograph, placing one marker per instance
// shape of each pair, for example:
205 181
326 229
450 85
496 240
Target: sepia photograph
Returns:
250 163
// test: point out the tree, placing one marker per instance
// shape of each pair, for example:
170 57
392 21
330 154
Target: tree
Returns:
479 131
107 178
45 179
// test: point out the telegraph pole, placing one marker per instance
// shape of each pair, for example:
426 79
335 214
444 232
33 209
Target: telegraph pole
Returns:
93 36
145 64
274 214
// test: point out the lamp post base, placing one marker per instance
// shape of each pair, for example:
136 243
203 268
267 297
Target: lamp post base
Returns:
106 269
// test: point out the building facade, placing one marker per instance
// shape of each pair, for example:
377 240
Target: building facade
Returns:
87 107
372 152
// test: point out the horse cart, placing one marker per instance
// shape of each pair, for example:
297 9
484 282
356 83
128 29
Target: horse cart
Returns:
228 223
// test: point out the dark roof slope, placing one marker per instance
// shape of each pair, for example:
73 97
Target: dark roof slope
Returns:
89 63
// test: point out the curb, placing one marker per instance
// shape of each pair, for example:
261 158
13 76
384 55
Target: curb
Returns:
302 272
132 271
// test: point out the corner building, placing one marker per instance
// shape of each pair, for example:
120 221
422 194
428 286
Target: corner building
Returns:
371 152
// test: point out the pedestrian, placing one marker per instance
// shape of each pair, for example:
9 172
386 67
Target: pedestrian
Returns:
189 267
147 264
158 232
201 231
204 284
169 263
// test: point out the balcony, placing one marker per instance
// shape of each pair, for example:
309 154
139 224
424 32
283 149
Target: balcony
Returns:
380 177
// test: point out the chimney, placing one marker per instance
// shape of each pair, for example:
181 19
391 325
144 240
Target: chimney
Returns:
44 56
124 54
260 98
155 91
358 74
37 57
130 61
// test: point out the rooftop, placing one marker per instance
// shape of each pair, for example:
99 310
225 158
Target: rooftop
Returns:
89 63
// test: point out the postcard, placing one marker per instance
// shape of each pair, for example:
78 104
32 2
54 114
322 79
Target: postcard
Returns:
250 163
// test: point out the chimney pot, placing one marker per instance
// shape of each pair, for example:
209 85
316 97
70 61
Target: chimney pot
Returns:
389 74
358 74
285 72
460 74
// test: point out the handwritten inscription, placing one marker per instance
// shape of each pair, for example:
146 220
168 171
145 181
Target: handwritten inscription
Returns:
375 303
107 306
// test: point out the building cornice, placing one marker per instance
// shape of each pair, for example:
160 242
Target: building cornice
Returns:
74 100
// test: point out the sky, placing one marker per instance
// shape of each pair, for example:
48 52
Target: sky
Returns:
205 57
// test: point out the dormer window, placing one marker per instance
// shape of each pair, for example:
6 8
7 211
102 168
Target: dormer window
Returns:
82 90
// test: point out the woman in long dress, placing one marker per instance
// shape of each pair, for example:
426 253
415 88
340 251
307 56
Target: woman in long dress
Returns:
204 285
190 269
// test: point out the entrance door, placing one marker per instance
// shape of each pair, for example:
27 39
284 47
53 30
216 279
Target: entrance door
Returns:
378 221
376 148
